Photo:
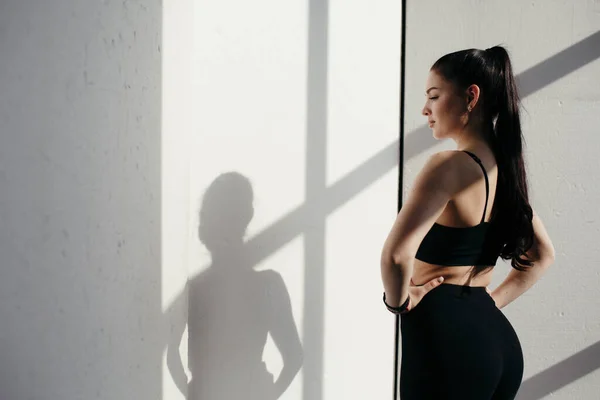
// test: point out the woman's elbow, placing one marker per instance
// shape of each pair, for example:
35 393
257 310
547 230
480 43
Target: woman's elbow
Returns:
546 256
389 258
550 256
548 253
386 261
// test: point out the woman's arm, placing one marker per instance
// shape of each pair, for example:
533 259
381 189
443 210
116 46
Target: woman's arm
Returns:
518 282
435 185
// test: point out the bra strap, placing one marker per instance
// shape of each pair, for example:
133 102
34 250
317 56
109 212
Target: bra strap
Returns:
487 184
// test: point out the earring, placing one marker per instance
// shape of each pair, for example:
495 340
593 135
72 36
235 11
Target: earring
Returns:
469 108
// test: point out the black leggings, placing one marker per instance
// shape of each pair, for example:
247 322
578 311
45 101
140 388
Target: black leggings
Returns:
456 344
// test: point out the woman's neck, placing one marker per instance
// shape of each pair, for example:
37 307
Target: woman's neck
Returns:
474 138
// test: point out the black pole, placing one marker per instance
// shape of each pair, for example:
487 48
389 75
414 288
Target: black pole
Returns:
400 182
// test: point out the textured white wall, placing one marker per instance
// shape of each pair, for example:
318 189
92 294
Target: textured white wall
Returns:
80 104
555 49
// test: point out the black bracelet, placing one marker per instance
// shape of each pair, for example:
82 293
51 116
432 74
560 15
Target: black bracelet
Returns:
398 310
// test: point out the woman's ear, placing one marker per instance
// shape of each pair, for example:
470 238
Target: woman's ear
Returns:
473 93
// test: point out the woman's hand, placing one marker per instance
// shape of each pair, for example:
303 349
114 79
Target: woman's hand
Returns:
490 293
417 293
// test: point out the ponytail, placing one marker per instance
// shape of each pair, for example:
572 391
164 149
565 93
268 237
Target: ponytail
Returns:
515 212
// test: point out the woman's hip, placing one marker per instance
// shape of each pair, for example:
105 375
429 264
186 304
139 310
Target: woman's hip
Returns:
456 318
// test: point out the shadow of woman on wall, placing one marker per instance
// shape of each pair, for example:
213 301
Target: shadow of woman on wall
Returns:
232 308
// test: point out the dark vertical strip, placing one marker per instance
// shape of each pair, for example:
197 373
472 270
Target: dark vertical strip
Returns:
397 354
316 179
402 97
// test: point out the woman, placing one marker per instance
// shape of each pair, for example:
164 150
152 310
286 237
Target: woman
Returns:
467 207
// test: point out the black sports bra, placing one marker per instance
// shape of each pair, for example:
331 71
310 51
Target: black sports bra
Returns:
454 246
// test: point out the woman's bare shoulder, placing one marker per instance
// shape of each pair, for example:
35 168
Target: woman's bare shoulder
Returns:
449 158
443 169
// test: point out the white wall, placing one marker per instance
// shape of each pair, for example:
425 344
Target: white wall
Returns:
295 126
80 106
555 49
111 134
177 128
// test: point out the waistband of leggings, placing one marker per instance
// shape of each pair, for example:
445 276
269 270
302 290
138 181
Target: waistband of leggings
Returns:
461 289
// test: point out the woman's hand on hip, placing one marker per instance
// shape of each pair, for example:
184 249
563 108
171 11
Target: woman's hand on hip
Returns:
491 295
417 293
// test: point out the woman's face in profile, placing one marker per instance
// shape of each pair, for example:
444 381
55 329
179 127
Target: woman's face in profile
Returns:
444 108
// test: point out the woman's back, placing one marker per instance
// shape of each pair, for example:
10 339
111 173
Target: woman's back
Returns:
465 212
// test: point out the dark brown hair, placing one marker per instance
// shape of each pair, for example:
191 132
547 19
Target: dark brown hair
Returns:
491 70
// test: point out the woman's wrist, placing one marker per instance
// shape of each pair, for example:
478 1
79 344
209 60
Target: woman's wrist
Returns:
403 309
